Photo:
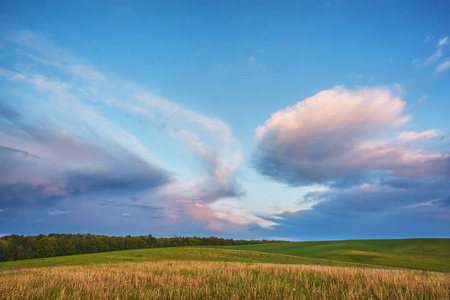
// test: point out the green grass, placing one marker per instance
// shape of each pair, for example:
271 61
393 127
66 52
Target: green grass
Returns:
422 254
169 254
304 270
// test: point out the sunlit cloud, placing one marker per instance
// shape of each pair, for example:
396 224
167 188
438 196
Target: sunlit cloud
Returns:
250 123
411 136
339 136
352 143
239 215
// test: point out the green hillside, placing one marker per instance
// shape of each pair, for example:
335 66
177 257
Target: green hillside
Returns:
425 254
169 254
422 254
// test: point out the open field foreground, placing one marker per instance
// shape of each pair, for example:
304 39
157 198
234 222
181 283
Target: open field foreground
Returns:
220 280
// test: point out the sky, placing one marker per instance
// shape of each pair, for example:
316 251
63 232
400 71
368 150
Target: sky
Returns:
288 120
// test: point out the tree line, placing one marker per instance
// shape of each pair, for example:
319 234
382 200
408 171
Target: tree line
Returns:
16 247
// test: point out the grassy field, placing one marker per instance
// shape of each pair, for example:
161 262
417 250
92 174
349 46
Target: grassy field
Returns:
169 254
216 273
422 254
220 280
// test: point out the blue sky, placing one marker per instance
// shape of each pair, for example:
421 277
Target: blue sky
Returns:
300 120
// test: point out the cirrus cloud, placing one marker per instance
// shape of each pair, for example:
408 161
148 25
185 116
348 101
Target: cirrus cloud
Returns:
443 66
71 133
411 136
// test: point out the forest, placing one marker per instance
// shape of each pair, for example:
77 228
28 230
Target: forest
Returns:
17 247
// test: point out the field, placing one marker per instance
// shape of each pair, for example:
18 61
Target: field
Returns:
205 273
220 280
422 254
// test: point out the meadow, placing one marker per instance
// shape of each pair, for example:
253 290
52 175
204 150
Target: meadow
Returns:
220 280
421 254
168 254
216 273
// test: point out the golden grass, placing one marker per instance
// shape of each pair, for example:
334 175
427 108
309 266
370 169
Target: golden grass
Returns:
220 280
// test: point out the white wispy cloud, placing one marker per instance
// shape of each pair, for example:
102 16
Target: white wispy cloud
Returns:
58 212
435 57
234 213
442 41
75 92
253 63
411 136
443 66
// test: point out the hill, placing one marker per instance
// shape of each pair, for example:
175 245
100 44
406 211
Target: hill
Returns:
423 254
202 273
304 270
169 254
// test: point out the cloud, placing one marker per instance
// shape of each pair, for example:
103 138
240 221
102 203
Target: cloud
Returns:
442 41
58 212
341 137
411 136
72 144
413 208
7 113
43 163
255 64
238 215
313 197
443 66
376 180
438 55
64 76
435 57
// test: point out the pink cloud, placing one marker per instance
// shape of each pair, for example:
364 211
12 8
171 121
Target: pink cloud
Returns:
411 136
343 135
442 41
